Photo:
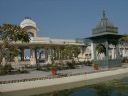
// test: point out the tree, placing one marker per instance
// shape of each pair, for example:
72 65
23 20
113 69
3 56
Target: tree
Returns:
10 34
71 51
101 49
124 39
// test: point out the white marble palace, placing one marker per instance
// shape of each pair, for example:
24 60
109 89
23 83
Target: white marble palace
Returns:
41 46
44 47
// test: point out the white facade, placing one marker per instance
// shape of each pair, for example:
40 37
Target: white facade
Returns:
50 46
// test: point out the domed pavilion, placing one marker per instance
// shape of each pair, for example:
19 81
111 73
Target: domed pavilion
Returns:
105 47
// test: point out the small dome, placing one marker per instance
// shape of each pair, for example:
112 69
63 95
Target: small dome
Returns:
104 26
27 22
104 22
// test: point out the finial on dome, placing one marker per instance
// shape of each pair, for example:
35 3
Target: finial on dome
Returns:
28 18
104 14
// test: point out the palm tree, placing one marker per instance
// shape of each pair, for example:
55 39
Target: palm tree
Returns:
10 34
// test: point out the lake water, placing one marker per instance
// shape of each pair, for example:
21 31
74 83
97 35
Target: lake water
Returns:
90 90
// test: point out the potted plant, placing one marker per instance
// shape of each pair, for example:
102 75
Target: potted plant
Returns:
95 66
54 69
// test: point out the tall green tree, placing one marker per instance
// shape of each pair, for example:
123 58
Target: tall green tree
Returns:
10 34
71 51
124 39
100 48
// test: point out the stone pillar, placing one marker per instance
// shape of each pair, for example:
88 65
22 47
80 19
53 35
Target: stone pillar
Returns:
81 50
32 56
93 51
113 53
22 54
107 54
16 60
46 53
52 54
117 52
124 52
58 53
3 61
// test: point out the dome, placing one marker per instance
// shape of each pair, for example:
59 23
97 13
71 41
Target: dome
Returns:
28 22
104 26
104 22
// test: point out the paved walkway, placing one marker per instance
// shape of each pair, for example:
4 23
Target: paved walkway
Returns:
38 74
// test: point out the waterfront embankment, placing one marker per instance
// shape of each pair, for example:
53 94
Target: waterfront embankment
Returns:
39 86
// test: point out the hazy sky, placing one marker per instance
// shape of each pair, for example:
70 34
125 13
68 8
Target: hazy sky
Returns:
67 19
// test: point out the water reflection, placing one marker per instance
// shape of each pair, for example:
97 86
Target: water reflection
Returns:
113 88
84 92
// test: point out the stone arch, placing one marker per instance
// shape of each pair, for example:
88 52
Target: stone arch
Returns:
100 51
100 48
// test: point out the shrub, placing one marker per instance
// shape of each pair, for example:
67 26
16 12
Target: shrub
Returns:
71 65
88 63
5 69
125 60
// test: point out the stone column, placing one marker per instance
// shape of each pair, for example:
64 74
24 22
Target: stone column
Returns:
53 50
81 50
32 56
22 54
52 53
3 61
117 52
124 52
58 53
107 54
93 51
46 53
16 60
113 53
